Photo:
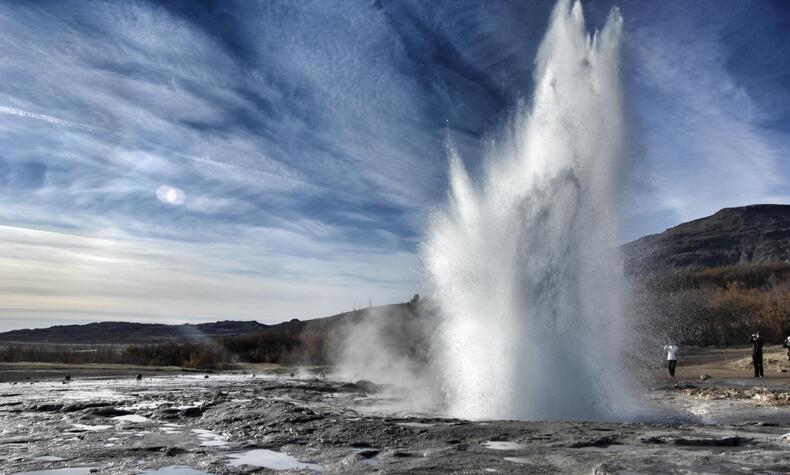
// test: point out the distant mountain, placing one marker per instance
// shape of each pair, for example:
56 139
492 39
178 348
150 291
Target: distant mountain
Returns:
125 332
154 333
753 234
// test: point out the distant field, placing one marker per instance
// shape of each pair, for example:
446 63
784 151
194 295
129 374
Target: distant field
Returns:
730 363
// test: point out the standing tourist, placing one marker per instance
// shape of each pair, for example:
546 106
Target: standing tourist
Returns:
757 354
672 357
786 344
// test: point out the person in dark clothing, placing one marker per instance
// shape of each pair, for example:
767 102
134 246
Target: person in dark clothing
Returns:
757 354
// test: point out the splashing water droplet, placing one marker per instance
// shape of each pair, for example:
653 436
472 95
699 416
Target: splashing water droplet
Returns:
524 264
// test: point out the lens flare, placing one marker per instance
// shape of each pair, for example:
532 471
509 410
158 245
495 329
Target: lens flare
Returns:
170 195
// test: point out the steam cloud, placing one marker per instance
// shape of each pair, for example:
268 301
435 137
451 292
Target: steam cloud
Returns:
523 265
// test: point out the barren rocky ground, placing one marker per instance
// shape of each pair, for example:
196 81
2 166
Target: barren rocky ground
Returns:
235 423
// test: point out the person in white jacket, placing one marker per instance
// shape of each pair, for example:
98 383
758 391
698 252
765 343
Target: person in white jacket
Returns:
672 357
786 344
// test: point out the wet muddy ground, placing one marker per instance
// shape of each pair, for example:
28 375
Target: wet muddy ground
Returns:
228 424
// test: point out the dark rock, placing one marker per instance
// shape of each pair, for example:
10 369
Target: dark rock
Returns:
79 406
149 448
361 386
653 440
48 407
729 441
604 441
173 451
192 412
171 413
108 411
19 440
767 424
302 419
400 453
168 413
368 453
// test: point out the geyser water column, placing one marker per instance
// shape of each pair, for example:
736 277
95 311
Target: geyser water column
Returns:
523 264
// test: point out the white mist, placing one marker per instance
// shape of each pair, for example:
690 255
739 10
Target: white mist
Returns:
523 264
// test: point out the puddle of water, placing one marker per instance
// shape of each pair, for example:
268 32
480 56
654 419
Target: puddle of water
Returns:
210 439
91 428
48 458
519 460
609 448
93 393
175 470
502 445
143 405
271 460
59 471
356 450
170 428
414 424
131 418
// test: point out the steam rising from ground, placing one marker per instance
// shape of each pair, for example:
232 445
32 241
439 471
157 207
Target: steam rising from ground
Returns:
523 264
390 345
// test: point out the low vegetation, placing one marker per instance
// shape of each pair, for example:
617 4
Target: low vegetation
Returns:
187 355
299 343
718 306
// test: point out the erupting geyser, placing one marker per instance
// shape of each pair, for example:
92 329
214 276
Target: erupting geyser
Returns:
524 264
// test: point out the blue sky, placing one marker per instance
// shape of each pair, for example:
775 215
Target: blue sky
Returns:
195 161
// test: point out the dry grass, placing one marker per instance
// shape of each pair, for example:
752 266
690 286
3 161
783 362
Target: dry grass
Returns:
773 361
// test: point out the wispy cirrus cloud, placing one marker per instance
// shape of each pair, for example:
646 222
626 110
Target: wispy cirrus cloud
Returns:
701 140
44 117
300 143
305 141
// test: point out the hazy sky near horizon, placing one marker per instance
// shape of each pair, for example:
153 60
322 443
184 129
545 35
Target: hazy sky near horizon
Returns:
195 161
